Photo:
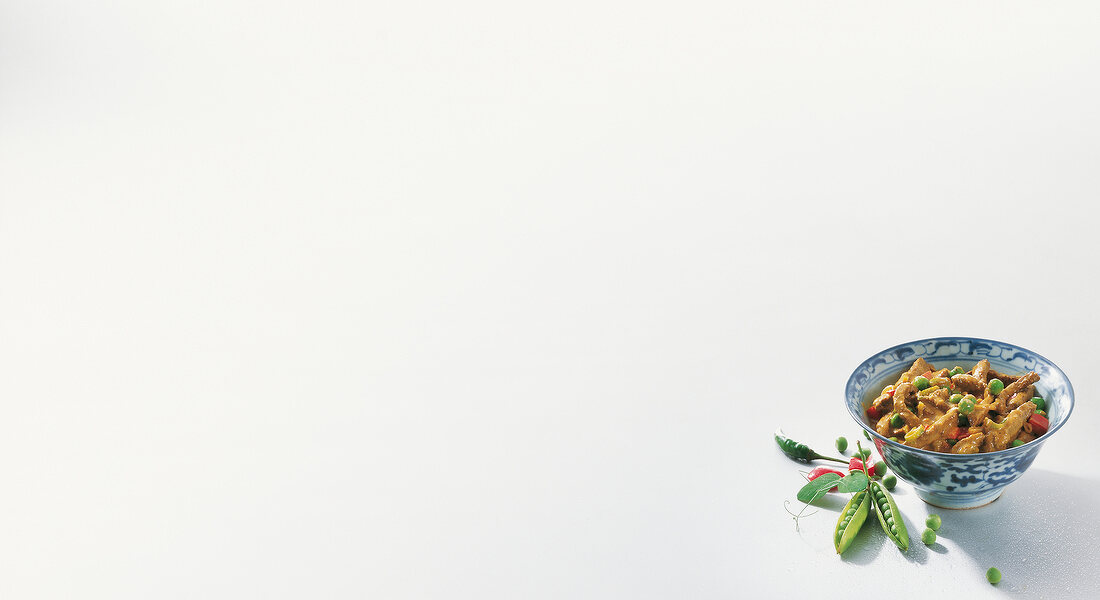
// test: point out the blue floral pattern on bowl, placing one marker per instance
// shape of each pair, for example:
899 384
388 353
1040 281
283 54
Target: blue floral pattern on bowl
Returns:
958 480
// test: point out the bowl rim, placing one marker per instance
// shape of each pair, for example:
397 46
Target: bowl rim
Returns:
947 455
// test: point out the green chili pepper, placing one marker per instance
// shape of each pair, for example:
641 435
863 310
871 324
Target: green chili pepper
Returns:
889 517
851 519
799 451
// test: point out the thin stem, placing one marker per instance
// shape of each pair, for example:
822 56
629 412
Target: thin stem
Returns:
799 515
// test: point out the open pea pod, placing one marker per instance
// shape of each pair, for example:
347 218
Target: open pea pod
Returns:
889 516
850 521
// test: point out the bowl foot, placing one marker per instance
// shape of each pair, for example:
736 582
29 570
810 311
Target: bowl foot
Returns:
951 501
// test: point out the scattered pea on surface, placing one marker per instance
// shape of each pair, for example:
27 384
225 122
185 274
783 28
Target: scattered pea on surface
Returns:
966 406
928 537
933 522
865 453
880 468
889 482
955 398
922 382
996 386
993 575
841 444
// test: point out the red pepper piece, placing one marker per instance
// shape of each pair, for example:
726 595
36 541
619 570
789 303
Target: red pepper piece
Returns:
872 413
819 471
1039 424
890 394
959 433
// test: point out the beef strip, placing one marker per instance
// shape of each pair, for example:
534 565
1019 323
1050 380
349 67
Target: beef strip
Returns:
1017 386
937 429
918 368
969 444
968 383
1004 377
999 436
981 371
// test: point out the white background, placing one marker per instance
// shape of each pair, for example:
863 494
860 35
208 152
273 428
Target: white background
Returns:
503 300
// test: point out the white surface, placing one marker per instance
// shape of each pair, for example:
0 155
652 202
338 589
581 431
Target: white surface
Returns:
453 300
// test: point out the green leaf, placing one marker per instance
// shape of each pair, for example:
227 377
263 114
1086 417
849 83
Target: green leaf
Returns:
818 487
854 482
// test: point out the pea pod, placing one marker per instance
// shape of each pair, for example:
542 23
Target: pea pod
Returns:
850 521
889 516
800 451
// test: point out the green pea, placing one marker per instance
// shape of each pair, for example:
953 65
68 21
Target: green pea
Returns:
928 537
865 453
933 522
966 406
956 371
1040 404
841 444
896 421
996 386
921 382
889 482
880 468
955 398
1016 443
993 575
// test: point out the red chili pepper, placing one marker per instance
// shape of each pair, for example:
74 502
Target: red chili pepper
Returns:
819 471
959 433
872 413
856 465
1039 424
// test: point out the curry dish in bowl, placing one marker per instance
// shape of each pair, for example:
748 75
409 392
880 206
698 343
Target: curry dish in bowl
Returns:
960 412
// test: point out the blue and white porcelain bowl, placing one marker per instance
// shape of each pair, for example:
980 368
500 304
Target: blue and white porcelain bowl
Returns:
958 480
